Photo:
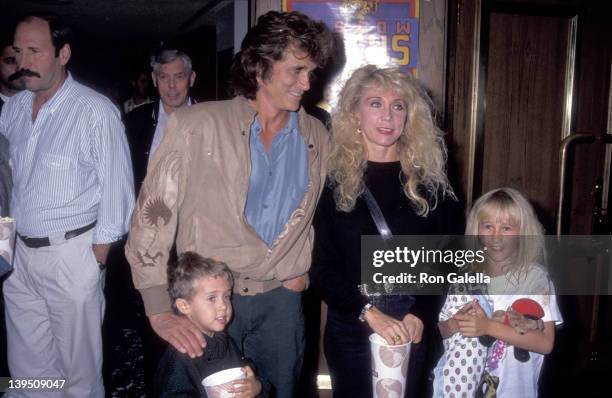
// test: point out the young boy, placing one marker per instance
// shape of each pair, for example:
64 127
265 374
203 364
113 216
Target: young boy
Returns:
201 289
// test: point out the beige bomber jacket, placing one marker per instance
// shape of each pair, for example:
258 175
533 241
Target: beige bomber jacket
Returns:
196 189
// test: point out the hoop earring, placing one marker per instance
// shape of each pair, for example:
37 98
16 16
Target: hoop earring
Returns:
358 131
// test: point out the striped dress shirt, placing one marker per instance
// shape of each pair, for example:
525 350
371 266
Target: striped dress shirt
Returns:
71 166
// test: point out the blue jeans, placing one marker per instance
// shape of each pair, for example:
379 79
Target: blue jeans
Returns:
347 350
269 328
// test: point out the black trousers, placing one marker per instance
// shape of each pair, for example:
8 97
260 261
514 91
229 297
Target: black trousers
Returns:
347 350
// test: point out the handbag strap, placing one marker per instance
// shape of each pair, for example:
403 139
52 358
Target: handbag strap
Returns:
385 234
377 215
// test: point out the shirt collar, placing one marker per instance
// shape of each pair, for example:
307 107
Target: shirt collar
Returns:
290 127
162 110
53 102
61 93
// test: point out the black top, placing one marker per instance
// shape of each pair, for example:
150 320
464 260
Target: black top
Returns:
335 272
140 126
180 375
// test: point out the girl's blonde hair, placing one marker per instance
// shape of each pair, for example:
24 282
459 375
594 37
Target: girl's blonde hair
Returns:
509 204
422 151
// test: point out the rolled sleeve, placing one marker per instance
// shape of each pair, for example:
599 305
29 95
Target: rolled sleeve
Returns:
113 168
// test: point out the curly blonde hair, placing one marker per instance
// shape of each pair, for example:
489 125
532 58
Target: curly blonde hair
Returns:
422 151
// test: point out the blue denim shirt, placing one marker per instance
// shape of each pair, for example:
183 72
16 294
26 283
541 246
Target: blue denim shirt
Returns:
278 179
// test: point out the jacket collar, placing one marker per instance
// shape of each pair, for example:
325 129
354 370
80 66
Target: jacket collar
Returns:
246 116
155 111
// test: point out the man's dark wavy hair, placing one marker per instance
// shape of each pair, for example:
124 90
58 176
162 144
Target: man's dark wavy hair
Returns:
266 43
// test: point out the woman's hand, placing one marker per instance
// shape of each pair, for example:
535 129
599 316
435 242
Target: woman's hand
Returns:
414 326
249 387
390 329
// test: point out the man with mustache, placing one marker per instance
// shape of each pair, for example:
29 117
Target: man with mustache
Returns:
238 181
72 197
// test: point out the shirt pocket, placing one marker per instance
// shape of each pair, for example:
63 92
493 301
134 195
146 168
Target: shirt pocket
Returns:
56 176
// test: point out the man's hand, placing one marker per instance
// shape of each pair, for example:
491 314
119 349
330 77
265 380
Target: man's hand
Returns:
297 284
101 251
180 332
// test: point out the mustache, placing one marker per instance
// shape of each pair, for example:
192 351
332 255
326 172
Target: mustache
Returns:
21 73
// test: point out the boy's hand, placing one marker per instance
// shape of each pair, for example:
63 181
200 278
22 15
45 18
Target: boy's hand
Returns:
249 387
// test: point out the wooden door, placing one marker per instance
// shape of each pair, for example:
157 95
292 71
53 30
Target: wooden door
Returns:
526 59
524 75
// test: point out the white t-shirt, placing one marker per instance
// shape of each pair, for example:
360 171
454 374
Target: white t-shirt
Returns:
520 379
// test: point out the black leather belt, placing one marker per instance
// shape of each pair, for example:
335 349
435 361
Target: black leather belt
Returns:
35 243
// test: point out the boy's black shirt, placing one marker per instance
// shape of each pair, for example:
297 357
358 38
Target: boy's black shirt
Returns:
178 375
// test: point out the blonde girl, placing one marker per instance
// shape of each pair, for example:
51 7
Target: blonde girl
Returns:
513 239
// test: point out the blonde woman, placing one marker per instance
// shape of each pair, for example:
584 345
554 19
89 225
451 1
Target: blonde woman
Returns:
384 138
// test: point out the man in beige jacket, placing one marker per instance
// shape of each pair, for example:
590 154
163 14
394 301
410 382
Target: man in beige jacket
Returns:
238 181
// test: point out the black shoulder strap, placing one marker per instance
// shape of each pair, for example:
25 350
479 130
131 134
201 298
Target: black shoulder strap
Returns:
377 215
385 234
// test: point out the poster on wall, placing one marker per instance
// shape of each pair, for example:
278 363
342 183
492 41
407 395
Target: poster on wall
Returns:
380 32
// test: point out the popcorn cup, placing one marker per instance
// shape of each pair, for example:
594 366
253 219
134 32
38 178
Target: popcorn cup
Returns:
389 367
218 385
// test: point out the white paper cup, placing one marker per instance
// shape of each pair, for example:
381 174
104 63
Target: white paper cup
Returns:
218 385
389 367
